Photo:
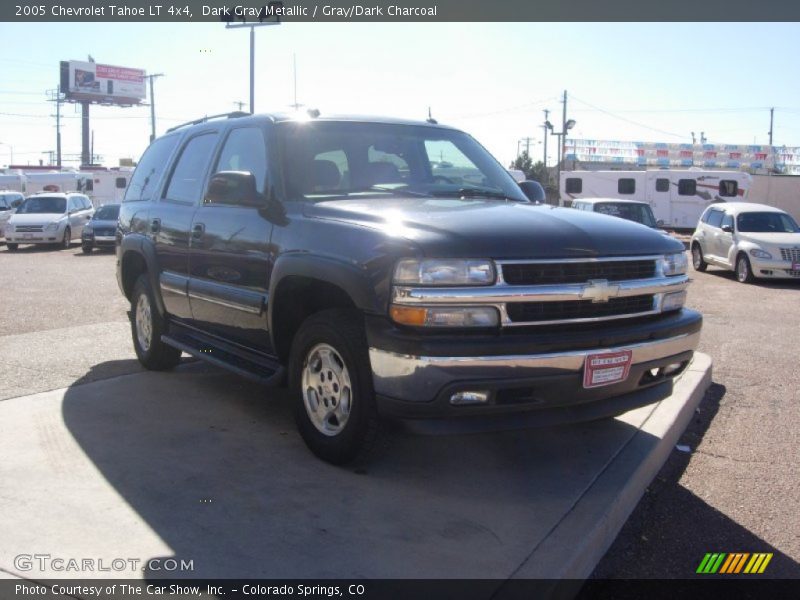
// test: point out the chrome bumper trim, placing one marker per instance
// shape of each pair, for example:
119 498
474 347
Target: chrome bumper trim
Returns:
419 378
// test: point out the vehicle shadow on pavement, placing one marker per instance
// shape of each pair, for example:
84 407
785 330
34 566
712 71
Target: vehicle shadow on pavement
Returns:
214 466
672 529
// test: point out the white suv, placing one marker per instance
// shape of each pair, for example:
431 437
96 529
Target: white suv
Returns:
755 240
49 218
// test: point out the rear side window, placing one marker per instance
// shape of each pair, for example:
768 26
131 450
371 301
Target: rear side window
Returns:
574 185
728 187
626 186
715 218
662 184
151 167
244 150
687 187
185 185
727 220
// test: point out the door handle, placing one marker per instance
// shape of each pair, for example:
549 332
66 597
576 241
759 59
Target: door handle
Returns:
155 225
198 229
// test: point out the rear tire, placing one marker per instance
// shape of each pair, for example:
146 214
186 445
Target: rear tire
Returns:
698 262
744 274
147 327
330 380
12 247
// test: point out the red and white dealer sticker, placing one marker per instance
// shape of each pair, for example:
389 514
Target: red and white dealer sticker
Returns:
606 368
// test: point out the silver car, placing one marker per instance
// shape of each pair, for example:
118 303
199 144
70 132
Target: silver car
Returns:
49 218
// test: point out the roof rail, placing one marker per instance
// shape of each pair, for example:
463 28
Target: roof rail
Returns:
231 115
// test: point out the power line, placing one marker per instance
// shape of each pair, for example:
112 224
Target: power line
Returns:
632 122
504 110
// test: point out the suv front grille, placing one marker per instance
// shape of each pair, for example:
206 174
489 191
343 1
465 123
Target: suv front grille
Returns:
29 228
576 272
792 254
536 312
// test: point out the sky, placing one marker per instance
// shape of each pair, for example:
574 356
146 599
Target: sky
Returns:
632 81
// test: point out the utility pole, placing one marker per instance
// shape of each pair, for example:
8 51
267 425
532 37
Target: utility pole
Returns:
544 127
153 105
55 96
771 115
563 140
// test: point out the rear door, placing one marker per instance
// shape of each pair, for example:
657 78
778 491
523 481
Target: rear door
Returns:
658 195
231 259
171 219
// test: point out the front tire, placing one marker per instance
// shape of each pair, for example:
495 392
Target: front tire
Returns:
744 274
147 327
65 243
331 385
12 247
698 262
86 248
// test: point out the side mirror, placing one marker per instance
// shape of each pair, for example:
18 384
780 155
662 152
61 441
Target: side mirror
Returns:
233 187
727 229
533 190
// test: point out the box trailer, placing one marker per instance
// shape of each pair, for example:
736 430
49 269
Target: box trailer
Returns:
14 181
677 196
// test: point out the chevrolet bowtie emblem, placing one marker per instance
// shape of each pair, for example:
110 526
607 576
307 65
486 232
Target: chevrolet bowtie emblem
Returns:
598 290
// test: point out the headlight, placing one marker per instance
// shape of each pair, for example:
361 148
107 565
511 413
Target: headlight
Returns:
432 271
674 264
757 253
445 316
52 226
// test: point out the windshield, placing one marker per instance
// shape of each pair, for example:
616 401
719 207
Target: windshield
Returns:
43 204
322 160
109 212
766 222
640 213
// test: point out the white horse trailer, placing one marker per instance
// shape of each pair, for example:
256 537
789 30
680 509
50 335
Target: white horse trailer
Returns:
59 181
108 185
677 197
14 181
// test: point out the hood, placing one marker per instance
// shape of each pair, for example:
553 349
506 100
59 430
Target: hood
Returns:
35 219
784 240
448 227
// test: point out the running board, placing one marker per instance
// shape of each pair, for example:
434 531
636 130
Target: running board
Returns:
237 360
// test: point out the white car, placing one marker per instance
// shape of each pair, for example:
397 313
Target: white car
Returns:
49 218
9 201
755 240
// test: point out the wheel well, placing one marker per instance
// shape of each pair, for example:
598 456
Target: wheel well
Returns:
133 265
297 298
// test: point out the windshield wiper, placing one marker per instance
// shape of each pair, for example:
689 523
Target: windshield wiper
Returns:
396 191
475 193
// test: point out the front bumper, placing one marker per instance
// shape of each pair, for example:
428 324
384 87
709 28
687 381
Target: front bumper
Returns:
773 269
541 386
46 237
98 240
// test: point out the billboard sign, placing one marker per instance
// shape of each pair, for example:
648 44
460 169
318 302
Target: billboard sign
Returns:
92 82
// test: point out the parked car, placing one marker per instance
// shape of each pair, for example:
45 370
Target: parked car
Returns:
632 210
9 201
49 218
101 231
755 240
381 288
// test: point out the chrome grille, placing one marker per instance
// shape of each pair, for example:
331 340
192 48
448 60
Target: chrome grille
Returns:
576 272
792 254
537 312
29 228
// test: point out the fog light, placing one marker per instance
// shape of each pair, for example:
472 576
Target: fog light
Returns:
673 301
672 368
474 397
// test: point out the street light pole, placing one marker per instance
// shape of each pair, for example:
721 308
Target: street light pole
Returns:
265 12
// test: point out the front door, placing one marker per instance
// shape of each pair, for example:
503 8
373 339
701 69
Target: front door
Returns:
230 259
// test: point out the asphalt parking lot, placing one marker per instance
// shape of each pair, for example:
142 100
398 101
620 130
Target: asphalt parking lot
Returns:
735 490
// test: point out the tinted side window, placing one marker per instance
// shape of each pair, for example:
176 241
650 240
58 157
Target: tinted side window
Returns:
574 185
715 218
626 186
244 150
728 187
727 220
687 187
151 167
662 184
186 182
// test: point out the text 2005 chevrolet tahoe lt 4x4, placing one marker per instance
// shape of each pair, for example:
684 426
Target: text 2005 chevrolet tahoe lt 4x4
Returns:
393 269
